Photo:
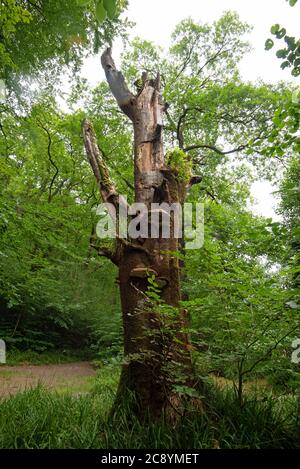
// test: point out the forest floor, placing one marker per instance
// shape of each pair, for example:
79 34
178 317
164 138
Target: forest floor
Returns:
68 405
76 378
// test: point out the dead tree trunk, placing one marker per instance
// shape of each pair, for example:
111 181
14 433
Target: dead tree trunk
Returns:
156 344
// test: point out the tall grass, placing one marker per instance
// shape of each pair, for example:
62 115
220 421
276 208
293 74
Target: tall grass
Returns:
40 419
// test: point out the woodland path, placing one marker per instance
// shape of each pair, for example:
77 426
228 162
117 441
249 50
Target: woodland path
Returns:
73 377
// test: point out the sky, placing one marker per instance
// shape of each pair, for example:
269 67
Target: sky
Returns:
156 20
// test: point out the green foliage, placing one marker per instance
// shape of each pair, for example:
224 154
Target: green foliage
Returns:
37 34
179 162
285 380
11 14
290 210
111 8
50 294
104 8
291 51
101 12
235 285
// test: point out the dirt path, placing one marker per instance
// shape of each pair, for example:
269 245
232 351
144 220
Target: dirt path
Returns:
70 377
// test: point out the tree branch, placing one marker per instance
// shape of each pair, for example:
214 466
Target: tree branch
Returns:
215 149
213 58
194 180
100 170
270 350
117 83
106 252
5 138
179 131
51 161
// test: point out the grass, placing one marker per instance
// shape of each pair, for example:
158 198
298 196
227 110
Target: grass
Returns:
43 419
256 386
31 357
4 374
83 385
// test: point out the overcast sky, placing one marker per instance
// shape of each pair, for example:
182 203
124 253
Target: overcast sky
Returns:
156 20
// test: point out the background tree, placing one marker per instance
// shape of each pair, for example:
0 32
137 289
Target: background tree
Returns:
38 34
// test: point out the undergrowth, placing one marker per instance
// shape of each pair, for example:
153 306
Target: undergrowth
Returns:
41 419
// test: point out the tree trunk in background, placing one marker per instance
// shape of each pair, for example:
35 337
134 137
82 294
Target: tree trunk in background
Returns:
157 345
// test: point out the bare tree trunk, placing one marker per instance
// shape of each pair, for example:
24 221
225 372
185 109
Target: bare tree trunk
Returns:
157 345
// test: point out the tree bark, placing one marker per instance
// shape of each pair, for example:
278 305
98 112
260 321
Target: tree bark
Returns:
156 339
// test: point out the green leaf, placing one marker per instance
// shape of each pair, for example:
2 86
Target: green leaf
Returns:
292 2
285 64
291 42
100 12
83 2
111 8
275 28
296 72
278 122
280 34
291 58
269 44
297 62
282 53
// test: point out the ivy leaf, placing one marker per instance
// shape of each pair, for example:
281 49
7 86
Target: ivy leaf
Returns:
100 12
111 8
269 44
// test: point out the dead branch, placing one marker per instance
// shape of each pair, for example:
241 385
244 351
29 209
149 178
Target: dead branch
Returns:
117 83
